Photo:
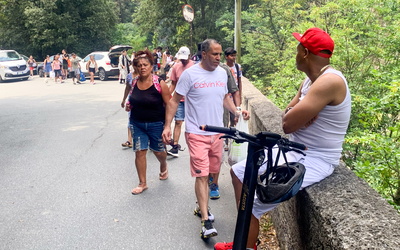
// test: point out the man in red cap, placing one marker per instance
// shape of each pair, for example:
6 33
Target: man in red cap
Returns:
317 116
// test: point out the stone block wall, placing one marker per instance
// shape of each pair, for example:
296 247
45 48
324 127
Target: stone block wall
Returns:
341 212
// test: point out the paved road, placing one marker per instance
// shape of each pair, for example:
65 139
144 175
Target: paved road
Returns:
65 181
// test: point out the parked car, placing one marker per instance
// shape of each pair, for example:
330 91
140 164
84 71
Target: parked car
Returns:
40 65
12 66
107 61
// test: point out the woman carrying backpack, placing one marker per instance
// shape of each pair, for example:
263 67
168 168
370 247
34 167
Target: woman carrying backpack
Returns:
146 102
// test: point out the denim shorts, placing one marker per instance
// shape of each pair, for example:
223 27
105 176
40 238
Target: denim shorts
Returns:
57 72
147 134
180 112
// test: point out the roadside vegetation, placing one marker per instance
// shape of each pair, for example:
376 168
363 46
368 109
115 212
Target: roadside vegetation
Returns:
366 33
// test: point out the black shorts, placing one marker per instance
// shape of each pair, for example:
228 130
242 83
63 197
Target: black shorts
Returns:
92 70
65 66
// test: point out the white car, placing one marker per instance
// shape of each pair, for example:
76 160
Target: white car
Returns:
107 61
12 66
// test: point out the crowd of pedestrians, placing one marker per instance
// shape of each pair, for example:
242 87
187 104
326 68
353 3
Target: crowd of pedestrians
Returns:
152 110
62 66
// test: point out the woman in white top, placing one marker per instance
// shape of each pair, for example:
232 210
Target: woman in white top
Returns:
91 66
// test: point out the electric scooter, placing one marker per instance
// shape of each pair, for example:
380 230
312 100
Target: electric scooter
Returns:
255 158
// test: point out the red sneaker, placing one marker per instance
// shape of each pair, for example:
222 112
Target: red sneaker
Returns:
223 246
227 246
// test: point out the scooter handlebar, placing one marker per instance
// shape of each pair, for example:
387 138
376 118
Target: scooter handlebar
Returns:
229 131
296 145
222 130
251 138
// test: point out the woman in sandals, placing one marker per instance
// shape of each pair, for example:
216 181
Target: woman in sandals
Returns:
91 66
146 102
128 86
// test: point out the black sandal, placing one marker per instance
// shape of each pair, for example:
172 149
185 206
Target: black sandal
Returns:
127 144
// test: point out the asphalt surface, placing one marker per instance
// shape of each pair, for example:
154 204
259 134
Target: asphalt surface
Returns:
65 180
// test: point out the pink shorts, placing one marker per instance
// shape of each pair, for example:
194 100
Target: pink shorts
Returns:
205 153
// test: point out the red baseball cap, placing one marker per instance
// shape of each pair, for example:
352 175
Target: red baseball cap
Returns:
316 40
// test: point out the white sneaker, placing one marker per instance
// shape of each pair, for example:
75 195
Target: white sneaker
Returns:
207 229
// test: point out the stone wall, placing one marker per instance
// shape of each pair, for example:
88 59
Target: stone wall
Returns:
341 212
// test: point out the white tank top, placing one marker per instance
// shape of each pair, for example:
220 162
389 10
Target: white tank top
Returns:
324 138
92 64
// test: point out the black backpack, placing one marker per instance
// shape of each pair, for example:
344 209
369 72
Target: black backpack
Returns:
237 70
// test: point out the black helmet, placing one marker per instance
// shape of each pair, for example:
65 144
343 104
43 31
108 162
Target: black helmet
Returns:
281 183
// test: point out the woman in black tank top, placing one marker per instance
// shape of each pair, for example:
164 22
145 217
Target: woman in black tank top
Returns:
146 101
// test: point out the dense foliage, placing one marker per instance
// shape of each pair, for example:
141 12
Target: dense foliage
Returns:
46 27
366 33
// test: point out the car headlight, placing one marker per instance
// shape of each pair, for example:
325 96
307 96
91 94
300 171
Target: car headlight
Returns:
3 67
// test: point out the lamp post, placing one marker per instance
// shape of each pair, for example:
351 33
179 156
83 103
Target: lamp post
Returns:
238 32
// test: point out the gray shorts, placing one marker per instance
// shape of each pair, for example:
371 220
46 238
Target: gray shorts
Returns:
75 73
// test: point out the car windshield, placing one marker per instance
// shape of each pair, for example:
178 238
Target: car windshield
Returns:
9 56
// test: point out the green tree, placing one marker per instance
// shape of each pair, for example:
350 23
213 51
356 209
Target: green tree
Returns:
45 26
127 33
125 10
165 22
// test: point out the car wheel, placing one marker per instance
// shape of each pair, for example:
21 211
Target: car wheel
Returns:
102 75
1 80
25 79
41 72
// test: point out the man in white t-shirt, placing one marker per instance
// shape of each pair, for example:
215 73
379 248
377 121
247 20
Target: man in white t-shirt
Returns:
204 86
176 71
236 69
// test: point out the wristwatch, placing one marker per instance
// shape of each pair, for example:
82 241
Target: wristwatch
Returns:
287 110
238 108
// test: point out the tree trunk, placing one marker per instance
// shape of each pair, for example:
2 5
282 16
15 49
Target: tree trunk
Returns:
396 197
